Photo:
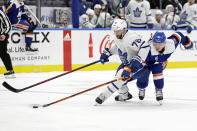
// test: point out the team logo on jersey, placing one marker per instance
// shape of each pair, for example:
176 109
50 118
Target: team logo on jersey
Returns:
137 12
142 5
123 57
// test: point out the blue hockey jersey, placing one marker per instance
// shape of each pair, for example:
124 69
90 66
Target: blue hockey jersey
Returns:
15 11
171 44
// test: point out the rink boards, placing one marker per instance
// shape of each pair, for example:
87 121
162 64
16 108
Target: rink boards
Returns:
63 50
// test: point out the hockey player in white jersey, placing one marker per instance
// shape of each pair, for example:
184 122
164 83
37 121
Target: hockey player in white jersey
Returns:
188 17
170 17
139 14
85 19
158 21
97 11
127 46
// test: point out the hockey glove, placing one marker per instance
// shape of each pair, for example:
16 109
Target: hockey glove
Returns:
30 21
136 64
150 25
105 55
188 29
188 44
126 74
124 3
174 27
99 26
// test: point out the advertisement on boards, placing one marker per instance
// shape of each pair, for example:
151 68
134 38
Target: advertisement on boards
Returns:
49 44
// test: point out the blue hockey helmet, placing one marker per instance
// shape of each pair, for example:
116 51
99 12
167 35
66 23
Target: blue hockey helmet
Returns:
159 37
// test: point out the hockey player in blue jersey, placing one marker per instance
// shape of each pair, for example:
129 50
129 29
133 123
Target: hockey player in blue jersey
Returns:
20 20
156 60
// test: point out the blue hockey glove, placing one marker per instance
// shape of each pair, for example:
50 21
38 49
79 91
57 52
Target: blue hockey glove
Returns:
99 26
174 27
150 25
188 29
188 44
126 74
30 21
105 55
124 3
136 64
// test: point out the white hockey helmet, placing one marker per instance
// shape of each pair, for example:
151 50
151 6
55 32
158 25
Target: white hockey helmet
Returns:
158 12
119 24
90 12
97 6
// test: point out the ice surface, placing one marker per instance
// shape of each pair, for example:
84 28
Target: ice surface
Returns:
178 112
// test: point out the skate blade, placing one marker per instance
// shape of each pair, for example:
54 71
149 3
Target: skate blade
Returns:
31 53
160 103
96 104
10 76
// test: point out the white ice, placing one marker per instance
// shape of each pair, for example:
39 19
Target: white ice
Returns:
178 112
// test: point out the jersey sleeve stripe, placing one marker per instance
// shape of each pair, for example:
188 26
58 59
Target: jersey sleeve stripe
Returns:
177 36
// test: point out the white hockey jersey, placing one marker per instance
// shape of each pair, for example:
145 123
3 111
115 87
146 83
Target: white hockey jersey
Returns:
189 13
129 46
84 22
105 20
138 13
159 25
171 19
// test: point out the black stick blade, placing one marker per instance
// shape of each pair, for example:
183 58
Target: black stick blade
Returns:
9 87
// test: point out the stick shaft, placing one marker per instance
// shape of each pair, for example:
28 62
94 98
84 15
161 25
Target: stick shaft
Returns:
79 93
9 87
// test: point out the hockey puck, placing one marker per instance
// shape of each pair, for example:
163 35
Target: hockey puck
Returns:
35 106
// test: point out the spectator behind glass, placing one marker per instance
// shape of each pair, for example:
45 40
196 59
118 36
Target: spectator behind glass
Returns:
159 22
83 7
170 17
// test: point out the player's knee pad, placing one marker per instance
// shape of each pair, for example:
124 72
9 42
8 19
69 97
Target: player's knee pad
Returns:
116 85
124 89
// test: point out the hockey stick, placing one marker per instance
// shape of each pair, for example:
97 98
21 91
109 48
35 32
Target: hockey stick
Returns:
41 25
76 94
11 88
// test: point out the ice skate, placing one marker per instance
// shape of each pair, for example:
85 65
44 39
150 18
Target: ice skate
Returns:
29 49
100 99
123 97
159 96
141 94
9 74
